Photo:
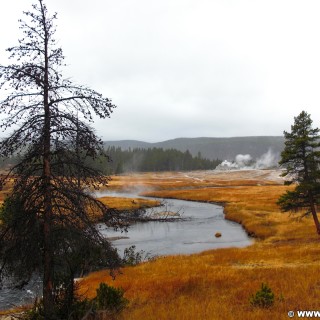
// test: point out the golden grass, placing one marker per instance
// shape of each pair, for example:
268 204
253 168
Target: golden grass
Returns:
177 180
217 284
128 204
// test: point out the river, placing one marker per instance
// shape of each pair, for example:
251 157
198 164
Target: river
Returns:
195 232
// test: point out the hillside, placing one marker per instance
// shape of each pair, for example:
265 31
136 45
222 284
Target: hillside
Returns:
212 148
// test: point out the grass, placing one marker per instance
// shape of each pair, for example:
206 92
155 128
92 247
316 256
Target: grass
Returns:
179 180
128 204
217 284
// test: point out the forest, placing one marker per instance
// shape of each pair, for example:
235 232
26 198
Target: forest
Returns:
139 160
155 159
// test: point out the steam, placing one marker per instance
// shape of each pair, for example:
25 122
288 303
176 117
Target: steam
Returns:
267 160
246 162
243 160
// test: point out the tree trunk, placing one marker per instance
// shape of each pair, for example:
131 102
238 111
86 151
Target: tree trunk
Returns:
48 299
314 214
70 292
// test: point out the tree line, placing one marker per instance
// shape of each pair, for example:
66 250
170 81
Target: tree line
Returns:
155 159
138 160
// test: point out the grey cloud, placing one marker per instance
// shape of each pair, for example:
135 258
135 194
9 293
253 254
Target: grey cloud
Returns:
193 67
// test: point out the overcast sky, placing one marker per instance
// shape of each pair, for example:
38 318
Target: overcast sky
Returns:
189 68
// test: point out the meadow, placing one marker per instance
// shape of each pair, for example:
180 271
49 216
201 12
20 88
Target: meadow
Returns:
218 284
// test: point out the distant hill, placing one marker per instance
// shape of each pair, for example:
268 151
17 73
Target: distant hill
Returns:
212 148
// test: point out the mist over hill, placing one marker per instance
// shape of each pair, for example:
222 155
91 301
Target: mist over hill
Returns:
212 148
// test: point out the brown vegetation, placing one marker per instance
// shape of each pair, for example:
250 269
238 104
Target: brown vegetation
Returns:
128 203
180 180
217 284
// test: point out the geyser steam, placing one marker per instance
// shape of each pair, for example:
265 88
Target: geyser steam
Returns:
245 161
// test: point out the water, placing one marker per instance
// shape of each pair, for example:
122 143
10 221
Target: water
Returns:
194 233
10 298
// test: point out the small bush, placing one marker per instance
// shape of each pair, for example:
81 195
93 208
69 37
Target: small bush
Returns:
110 298
75 312
131 257
264 298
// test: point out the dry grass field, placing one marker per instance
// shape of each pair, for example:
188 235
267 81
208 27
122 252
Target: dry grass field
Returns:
217 284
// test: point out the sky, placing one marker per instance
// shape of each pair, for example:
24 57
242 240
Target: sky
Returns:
188 68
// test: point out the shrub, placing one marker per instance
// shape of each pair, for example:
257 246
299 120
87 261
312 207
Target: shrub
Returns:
75 312
110 298
131 257
263 298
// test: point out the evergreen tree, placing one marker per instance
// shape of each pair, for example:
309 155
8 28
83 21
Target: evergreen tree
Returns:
300 158
46 221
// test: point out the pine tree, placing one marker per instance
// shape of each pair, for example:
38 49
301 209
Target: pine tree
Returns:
50 198
300 158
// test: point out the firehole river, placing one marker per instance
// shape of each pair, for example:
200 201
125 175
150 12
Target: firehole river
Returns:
194 232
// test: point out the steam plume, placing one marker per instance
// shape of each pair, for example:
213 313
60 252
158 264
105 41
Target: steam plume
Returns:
245 161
